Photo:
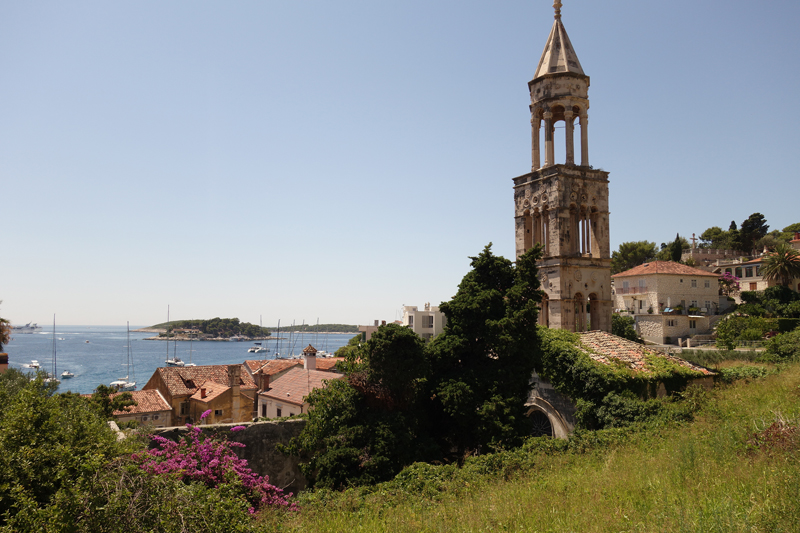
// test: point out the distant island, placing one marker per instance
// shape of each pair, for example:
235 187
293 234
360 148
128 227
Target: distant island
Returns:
319 328
215 329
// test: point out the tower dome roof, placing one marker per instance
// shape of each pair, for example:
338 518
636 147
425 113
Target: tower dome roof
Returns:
558 55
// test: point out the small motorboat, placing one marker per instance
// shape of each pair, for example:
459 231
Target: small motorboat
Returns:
67 374
257 348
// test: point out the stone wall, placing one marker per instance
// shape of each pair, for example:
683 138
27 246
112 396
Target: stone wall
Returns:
260 440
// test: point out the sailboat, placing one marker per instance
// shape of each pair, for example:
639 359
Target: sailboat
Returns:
190 363
51 378
175 361
126 383
257 348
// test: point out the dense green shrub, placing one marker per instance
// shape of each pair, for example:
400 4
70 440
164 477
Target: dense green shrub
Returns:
785 346
49 442
607 395
623 326
738 328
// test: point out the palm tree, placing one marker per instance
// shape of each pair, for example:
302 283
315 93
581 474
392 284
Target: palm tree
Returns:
782 266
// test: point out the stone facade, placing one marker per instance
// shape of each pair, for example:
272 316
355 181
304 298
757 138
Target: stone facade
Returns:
564 207
650 291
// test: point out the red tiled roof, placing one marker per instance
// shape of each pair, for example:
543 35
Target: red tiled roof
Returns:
276 366
603 347
184 381
297 383
213 390
254 364
664 267
147 401
328 364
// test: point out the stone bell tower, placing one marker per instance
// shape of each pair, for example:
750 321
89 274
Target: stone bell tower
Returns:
563 206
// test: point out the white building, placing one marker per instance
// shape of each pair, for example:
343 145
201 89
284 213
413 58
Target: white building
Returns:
427 323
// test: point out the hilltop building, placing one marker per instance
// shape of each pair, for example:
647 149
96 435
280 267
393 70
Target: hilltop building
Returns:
427 323
564 206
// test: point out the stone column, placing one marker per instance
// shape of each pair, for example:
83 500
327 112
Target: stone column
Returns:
584 140
536 124
549 149
568 120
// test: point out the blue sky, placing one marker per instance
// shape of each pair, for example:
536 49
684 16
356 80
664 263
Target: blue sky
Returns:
304 160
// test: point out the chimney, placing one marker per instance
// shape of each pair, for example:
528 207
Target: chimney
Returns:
234 371
310 356
376 323
203 392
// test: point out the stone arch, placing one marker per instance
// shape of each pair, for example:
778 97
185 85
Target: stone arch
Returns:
527 221
558 426
594 312
544 311
580 312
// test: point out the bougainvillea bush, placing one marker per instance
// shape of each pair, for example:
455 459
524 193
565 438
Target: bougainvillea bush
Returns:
213 463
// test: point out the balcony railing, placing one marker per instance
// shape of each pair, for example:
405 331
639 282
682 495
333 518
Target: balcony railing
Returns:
631 290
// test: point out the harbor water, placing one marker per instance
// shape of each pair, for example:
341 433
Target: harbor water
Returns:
97 354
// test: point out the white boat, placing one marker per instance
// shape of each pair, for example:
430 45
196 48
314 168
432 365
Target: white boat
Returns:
190 363
67 374
174 360
257 348
33 364
127 383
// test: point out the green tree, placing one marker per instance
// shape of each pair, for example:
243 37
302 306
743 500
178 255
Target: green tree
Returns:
674 249
752 230
624 326
631 254
106 400
50 442
716 238
5 331
366 428
782 265
351 346
483 360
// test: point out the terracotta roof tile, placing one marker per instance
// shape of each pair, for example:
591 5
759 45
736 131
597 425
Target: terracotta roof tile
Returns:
213 391
184 381
275 366
603 347
328 364
147 401
664 267
297 383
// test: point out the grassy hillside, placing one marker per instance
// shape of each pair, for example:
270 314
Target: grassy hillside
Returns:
735 468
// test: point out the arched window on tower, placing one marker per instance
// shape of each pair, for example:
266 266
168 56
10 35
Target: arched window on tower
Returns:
527 221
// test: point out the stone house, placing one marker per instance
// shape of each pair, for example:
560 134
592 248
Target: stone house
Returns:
651 293
227 390
151 408
285 395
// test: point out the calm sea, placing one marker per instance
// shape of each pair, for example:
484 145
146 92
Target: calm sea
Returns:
97 354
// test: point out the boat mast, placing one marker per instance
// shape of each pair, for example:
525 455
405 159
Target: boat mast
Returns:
54 346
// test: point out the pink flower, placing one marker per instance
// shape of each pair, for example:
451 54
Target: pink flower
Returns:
205 414
238 428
